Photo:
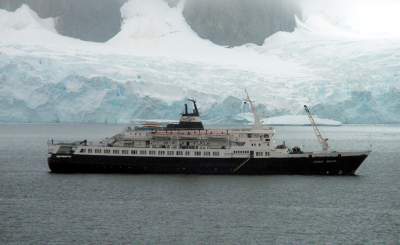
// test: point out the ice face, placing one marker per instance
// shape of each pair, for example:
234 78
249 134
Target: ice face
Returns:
147 73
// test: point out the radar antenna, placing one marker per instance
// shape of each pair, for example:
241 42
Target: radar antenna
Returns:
323 141
257 121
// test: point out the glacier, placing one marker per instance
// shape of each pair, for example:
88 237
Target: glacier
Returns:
149 69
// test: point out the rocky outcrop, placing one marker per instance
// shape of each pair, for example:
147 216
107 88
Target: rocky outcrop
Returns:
237 22
89 20
224 22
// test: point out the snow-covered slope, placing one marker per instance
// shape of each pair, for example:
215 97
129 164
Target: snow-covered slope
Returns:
157 61
301 120
285 120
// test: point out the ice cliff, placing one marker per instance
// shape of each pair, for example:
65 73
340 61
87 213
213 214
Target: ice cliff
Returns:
157 60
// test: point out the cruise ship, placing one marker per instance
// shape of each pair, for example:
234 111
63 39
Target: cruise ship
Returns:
186 147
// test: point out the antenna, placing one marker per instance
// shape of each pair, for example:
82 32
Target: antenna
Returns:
257 122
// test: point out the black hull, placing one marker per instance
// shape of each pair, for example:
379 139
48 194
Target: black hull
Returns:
344 165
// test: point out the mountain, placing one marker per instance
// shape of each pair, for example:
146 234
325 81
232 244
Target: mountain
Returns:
100 20
157 60
237 22
90 20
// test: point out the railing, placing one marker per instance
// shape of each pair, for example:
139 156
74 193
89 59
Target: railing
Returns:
191 133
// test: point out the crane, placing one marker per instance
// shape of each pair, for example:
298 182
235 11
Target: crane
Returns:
323 141
257 121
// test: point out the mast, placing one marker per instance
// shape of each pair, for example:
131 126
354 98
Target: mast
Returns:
195 110
257 122
323 141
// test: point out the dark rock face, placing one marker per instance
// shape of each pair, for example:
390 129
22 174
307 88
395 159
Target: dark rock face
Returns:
224 22
237 22
90 20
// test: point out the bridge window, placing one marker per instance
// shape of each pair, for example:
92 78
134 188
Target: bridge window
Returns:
152 152
187 153
142 152
133 152
107 151
83 150
161 153
266 153
89 150
115 151
215 153
197 153
125 152
97 151
179 153
207 154
170 153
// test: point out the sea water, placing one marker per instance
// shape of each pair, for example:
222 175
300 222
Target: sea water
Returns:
37 207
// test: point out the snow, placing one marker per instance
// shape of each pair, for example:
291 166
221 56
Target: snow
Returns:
298 120
156 61
286 120
24 18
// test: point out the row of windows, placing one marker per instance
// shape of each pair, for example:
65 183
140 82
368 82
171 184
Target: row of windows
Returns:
260 154
151 152
241 152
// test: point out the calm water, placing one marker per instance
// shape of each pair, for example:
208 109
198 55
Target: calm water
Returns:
37 207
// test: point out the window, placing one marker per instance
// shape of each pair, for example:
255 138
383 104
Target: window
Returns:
125 152
142 152
266 153
197 153
187 153
115 151
107 151
161 153
259 154
215 153
152 152
89 150
179 153
207 154
83 150
170 153
97 151
133 152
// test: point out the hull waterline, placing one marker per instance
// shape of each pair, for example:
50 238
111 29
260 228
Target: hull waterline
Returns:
345 165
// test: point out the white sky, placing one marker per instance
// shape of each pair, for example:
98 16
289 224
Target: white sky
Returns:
365 17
